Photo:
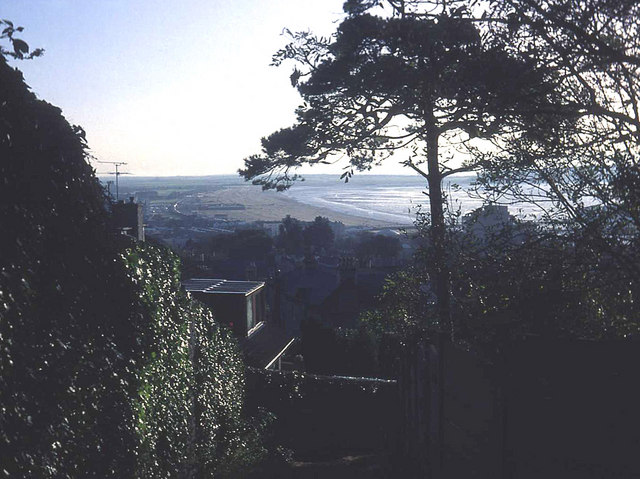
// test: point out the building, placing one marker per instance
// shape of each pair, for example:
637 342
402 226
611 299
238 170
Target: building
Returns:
495 222
128 219
241 306
489 220
238 304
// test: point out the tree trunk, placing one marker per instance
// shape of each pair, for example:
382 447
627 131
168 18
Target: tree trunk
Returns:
440 279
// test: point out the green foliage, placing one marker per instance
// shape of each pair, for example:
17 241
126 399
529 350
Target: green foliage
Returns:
294 238
191 384
107 369
71 336
291 236
318 235
372 349
519 280
377 246
406 303
548 289
317 415
343 352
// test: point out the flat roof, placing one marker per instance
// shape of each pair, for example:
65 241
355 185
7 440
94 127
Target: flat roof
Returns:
221 286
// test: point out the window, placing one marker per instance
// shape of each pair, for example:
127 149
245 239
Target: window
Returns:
251 317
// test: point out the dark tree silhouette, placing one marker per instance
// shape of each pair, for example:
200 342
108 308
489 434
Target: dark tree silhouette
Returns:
319 235
242 245
69 328
291 237
588 171
397 82
19 48
377 246
107 369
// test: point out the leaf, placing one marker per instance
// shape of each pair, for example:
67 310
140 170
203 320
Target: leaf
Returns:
295 76
20 46
459 11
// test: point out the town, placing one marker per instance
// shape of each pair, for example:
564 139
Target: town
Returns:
320 239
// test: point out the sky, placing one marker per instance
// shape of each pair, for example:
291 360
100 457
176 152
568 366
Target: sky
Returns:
169 87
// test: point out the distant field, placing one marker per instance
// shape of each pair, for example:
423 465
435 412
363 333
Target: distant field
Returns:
366 204
271 206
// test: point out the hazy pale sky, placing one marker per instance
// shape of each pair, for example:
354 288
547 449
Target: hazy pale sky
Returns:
170 87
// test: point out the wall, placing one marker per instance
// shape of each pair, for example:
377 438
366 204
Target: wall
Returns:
230 309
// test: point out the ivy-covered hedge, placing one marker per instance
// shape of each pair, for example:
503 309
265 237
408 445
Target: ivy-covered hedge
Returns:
192 381
106 368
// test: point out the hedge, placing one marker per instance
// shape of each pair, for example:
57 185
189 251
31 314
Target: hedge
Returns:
106 368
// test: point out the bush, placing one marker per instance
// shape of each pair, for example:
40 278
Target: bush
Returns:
70 332
344 352
107 369
191 381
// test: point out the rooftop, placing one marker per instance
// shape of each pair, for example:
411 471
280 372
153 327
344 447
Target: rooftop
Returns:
207 285
263 348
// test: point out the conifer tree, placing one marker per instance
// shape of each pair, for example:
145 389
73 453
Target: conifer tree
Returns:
418 77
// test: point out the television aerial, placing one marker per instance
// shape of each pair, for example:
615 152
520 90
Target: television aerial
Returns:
117 173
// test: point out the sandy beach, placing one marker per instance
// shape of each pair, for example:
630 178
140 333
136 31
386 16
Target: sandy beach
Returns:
272 206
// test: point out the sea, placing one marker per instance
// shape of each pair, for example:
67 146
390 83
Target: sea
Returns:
392 198
395 198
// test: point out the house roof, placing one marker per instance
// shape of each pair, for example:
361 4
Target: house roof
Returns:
265 345
221 286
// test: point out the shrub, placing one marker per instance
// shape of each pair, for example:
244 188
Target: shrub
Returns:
70 332
191 381
107 369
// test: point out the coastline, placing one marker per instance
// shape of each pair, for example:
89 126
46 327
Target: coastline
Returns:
273 206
